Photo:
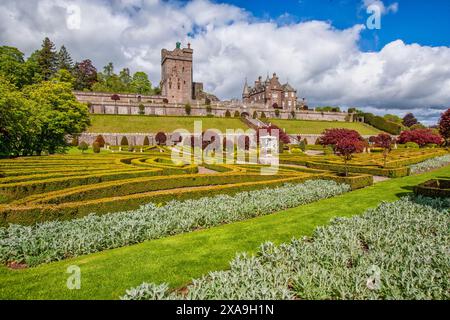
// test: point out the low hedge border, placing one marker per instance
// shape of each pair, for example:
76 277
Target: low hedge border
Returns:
22 189
387 172
353 180
434 188
138 185
28 215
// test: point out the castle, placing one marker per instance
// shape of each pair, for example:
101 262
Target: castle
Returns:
267 98
270 93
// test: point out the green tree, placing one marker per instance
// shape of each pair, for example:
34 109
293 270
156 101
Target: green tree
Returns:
12 66
48 59
64 59
59 114
63 75
17 125
125 77
141 84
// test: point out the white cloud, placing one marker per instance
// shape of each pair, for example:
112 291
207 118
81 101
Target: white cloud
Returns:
392 8
323 63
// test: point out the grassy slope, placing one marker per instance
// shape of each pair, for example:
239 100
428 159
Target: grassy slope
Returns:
317 127
179 258
154 124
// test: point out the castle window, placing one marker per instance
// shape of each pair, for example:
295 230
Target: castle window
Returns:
170 85
289 103
178 86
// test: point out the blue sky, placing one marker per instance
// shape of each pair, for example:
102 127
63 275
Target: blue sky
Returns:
426 22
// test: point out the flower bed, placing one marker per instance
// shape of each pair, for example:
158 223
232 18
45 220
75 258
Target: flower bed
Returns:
430 164
45 242
397 251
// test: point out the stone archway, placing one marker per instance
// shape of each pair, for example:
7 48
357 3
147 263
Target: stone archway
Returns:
245 114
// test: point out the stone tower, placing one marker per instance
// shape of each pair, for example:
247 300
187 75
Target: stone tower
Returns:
176 74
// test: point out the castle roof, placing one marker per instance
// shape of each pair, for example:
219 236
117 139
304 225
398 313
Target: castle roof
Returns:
287 87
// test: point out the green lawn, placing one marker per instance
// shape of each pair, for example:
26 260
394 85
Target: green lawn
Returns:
317 127
154 124
178 259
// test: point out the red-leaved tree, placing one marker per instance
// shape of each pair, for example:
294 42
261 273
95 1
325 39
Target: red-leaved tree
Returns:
160 138
331 137
419 136
444 126
385 141
346 147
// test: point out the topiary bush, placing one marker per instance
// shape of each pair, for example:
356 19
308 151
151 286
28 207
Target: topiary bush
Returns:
83 146
160 138
100 140
96 147
124 141
227 114
237 114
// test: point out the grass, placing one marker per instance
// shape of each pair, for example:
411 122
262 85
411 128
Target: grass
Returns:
178 259
153 124
317 127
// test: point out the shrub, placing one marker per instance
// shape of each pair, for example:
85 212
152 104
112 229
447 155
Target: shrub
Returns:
293 114
100 140
83 146
419 136
411 145
236 114
160 138
277 113
208 109
302 145
227 114
24 243
141 109
146 141
124 141
96 147
255 114
395 251
187 109
383 124
263 115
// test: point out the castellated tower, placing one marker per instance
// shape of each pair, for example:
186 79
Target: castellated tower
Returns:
176 74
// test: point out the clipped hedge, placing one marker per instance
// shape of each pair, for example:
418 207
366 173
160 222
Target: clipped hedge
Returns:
138 185
434 188
387 172
22 189
353 180
31 214
383 124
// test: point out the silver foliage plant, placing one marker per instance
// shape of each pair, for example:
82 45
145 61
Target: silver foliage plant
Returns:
430 164
57 240
399 250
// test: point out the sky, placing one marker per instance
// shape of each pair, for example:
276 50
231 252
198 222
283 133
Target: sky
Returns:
328 50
